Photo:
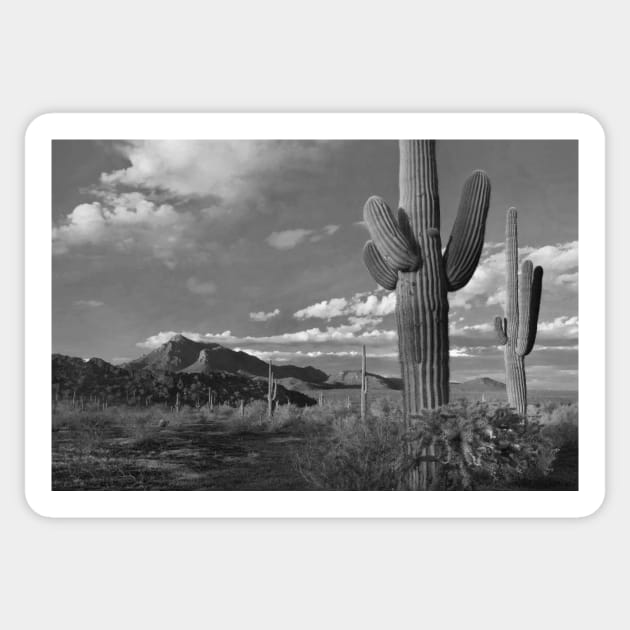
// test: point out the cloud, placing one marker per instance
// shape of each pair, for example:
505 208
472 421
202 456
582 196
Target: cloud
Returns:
126 222
89 303
360 305
327 309
563 327
487 286
353 332
229 170
199 287
261 316
288 239
185 195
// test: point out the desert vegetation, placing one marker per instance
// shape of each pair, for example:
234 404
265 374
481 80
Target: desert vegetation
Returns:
196 415
476 446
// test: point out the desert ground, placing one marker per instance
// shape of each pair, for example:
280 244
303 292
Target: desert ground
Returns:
127 448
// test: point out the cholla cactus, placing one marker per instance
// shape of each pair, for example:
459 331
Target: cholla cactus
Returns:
364 385
405 254
517 330
272 391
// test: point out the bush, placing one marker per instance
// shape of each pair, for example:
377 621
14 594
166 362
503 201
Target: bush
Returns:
560 424
479 444
467 446
358 456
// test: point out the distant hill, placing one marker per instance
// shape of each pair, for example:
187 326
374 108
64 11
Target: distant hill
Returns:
479 385
352 379
72 376
181 354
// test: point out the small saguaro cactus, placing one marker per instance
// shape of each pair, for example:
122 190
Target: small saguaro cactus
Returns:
272 391
364 384
405 254
517 330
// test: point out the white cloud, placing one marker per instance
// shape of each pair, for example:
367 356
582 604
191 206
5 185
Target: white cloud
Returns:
563 327
200 287
327 230
261 316
288 239
487 286
360 305
327 309
226 169
126 222
353 333
89 303
284 355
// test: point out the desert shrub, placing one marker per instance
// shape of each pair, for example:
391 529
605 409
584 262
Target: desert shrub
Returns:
384 407
560 424
356 456
474 445
479 444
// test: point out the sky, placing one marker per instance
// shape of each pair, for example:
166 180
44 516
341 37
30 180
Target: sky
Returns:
257 245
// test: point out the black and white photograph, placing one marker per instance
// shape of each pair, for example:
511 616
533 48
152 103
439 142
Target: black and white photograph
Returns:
312 315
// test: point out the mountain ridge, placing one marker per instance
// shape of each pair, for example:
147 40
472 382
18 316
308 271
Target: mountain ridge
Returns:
181 354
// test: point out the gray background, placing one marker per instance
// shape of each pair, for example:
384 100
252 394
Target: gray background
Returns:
328 56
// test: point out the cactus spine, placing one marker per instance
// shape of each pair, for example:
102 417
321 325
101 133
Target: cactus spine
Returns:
364 385
272 391
405 254
517 330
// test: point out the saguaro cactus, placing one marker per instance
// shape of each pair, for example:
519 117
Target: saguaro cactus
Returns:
364 384
272 391
405 254
517 330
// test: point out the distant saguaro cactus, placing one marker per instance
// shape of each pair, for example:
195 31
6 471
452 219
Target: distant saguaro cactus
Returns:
272 391
405 254
364 384
517 330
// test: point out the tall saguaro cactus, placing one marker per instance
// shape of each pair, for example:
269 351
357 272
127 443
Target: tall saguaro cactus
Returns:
405 254
517 330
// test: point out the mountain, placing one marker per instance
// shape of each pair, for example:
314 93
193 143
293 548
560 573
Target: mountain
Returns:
73 377
480 384
352 379
181 354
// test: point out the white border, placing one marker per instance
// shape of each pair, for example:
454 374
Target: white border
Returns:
583 502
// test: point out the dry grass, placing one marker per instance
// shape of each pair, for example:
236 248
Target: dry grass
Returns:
320 447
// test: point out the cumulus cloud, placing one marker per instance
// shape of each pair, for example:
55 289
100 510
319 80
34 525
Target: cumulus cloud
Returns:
288 239
125 222
487 286
360 305
89 303
261 316
563 327
326 309
199 287
230 170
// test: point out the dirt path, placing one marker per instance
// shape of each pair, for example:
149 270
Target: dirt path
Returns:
184 457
